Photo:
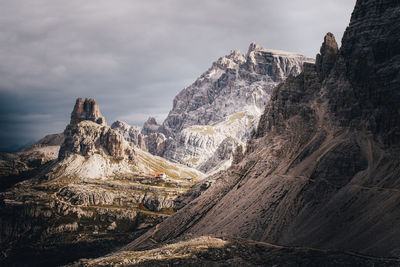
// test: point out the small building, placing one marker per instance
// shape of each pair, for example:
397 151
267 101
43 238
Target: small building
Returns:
159 175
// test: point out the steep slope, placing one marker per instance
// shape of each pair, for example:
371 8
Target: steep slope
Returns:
95 195
322 169
220 109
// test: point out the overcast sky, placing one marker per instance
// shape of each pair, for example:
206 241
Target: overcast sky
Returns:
134 56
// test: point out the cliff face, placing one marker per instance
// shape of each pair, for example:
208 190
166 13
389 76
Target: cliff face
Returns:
369 63
130 133
322 169
86 110
233 79
221 107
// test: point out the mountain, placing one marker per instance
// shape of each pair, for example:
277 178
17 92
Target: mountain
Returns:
83 192
322 169
217 113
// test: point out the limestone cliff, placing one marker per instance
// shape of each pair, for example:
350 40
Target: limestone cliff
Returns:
221 107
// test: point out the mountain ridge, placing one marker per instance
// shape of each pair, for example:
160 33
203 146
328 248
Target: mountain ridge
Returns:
217 113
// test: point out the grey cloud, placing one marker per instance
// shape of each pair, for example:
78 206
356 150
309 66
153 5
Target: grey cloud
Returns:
134 56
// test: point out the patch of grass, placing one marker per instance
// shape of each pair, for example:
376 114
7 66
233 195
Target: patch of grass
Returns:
234 117
203 130
171 169
192 160
114 160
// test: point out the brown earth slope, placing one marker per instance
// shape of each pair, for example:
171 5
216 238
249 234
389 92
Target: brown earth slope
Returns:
323 168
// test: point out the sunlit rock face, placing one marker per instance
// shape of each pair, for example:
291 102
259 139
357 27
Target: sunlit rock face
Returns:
86 110
215 114
87 134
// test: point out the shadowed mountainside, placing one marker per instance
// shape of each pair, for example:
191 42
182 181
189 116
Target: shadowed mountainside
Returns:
322 169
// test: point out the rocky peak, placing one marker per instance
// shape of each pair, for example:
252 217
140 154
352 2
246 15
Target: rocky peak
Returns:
86 110
368 63
253 47
235 54
327 56
150 126
224 102
230 61
88 134
276 64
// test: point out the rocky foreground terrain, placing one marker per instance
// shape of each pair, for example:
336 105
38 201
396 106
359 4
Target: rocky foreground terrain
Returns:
322 170
231 251
83 192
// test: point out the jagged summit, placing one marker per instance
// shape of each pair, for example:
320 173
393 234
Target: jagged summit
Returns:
87 134
150 126
87 110
253 47
327 56
218 111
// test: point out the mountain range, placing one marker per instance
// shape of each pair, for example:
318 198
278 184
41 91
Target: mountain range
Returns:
302 159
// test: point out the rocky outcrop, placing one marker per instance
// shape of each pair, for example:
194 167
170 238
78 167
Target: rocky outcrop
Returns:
368 72
322 169
150 126
130 133
86 110
326 59
87 134
87 138
147 139
238 155
157 143
223 154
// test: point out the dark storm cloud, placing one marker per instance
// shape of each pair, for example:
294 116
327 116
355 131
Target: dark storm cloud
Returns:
134 56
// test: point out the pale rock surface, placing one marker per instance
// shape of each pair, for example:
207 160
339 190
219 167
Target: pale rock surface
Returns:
86 110
150 126
225 102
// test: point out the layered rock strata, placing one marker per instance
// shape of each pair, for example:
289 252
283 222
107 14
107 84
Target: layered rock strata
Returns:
221 108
